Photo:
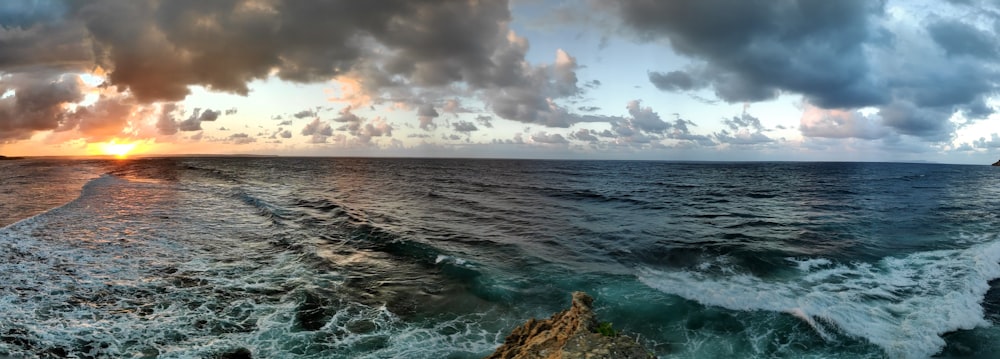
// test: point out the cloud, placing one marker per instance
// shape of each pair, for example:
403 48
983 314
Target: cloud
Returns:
485 121
584 135
318 131
754 50
673 81
37 103
817 122
992 143
744 129
102 120
464 126
193 122
32 34
642 126
304 113
549 139
744 120
454 106
907 119
645 119
530 93
241 139
426 115
958 38
840 56
154 51
165 123
359 127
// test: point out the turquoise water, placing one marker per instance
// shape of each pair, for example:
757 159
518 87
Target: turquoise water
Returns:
420 258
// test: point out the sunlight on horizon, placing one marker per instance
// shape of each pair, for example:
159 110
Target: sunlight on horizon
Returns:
113 148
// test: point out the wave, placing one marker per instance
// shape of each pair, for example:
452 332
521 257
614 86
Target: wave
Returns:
903 305
100 278
87 189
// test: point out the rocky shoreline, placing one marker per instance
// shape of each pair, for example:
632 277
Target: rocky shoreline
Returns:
570 334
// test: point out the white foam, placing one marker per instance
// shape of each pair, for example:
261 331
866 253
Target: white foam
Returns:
807 264
903 305
443 258
159 276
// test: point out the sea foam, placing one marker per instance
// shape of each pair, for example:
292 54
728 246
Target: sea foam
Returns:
902 304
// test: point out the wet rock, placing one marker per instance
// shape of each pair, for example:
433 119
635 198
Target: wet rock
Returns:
569 334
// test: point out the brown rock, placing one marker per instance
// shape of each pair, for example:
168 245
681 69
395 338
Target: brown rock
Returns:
567 335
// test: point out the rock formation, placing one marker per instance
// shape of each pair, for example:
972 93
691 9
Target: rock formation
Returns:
569 334
997 163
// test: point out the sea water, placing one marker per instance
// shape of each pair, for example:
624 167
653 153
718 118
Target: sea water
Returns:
441 258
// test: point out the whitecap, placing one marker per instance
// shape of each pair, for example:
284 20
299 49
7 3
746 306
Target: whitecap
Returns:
902 305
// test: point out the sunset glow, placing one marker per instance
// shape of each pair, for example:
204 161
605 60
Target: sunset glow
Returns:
113 148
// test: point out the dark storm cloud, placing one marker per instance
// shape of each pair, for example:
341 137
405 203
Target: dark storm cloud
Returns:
155 50
528 96
840 55
56 45
958 38
756 49
908 119
141 42
27 13
37 103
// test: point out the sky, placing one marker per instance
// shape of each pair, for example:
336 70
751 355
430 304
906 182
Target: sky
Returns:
704 80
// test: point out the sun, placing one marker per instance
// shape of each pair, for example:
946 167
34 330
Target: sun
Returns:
119 150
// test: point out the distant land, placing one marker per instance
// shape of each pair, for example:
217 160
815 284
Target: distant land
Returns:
9 158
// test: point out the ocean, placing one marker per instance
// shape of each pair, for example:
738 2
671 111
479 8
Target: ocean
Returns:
441 258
